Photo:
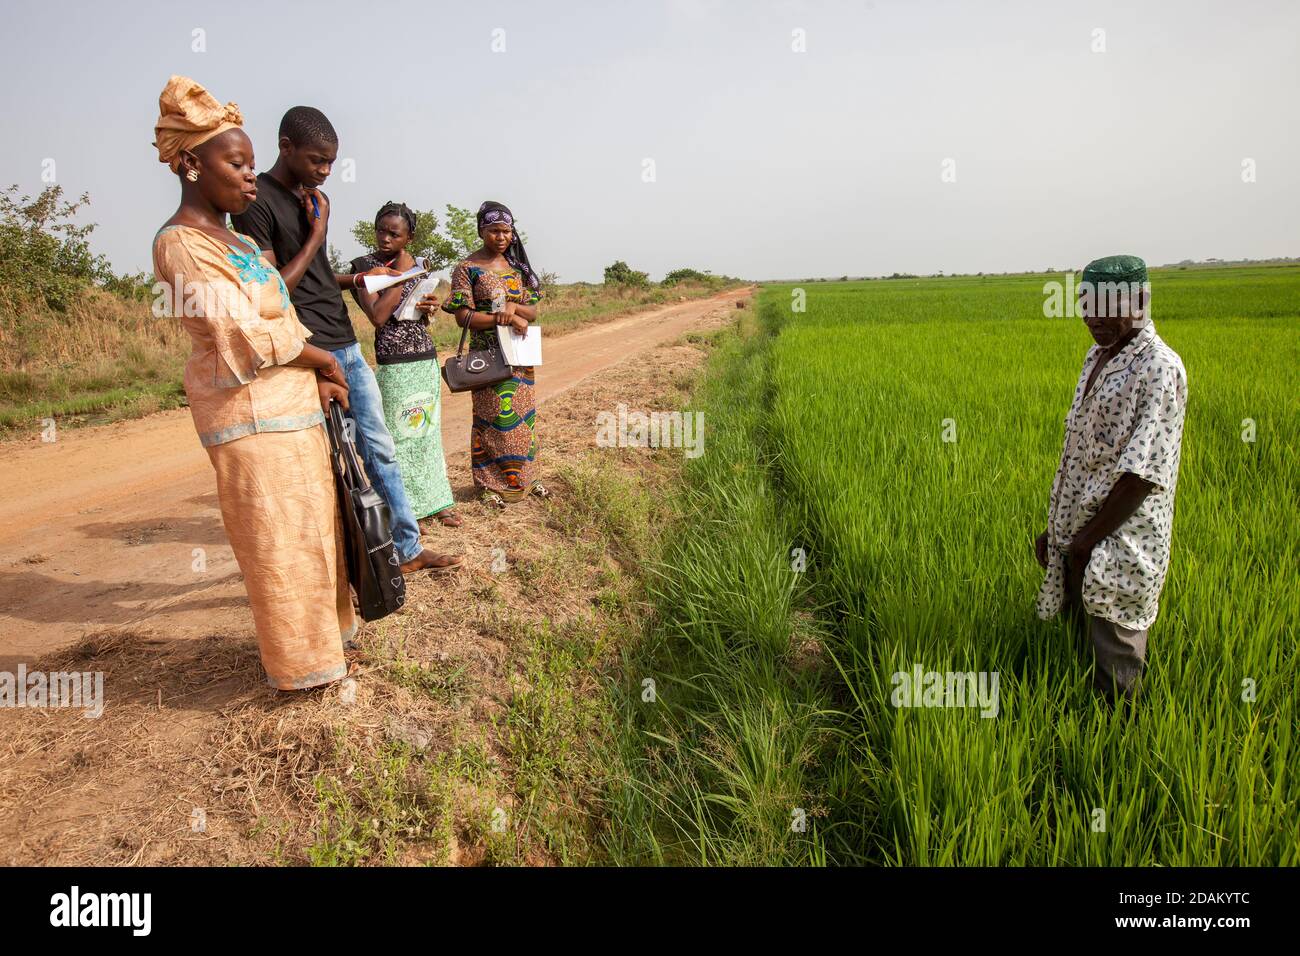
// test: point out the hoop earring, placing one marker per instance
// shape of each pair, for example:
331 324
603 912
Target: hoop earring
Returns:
192 175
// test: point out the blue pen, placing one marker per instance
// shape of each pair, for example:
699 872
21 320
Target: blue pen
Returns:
315 206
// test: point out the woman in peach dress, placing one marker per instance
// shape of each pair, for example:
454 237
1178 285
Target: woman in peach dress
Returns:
256 391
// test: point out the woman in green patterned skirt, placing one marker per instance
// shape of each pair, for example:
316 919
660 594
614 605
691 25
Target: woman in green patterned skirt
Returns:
408 368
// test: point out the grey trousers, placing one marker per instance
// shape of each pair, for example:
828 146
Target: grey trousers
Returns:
1120 652
1121 656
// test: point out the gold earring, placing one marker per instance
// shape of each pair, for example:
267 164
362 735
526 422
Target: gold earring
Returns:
192 175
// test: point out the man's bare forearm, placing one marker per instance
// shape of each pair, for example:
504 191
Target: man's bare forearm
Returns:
1124 499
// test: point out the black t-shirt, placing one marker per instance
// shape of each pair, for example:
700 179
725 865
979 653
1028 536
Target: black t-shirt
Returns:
277 221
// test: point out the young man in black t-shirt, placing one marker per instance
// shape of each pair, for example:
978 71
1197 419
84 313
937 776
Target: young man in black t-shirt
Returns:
288 220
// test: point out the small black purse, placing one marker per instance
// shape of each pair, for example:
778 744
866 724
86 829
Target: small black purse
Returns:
373 569
477 368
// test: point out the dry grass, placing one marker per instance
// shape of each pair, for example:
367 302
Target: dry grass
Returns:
108 358
104 353
473 735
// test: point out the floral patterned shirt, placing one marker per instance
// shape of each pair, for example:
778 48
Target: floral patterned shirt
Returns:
1131 421
474 287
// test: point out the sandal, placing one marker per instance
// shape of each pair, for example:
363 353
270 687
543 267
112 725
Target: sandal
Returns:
492 498
539 490
447 518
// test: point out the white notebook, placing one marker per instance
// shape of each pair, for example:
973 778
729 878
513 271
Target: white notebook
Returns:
521 349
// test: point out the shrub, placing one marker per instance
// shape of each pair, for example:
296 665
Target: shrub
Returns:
43 254
686 275
620 273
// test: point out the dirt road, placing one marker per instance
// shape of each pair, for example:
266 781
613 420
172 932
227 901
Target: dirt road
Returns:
116 524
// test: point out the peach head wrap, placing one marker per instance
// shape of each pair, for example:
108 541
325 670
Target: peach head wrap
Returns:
187 116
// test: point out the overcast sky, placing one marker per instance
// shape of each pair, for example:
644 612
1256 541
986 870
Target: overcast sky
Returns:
767 162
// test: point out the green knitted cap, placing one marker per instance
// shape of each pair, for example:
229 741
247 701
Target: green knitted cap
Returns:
1115 269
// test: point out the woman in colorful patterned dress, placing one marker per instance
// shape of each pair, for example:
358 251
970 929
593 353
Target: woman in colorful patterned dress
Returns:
256 391
503 435
408 368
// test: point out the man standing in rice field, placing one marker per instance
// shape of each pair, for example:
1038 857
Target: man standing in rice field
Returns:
1110 515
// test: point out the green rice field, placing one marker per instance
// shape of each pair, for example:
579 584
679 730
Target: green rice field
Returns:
831 537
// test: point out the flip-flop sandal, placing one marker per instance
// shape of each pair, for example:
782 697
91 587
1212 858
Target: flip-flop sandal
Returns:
539 490
492 498
447 568
427 523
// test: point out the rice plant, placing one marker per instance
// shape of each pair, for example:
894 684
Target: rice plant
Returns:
903 436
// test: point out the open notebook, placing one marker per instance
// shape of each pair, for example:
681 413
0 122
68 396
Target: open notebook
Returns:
521 349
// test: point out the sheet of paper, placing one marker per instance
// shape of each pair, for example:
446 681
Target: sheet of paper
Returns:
427 285
379 283
521 349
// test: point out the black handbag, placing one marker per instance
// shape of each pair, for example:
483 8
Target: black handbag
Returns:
373 568
477 368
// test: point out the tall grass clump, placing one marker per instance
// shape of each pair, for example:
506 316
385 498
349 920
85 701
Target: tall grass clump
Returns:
721 724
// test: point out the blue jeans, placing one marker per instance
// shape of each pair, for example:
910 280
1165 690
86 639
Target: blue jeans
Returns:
378 453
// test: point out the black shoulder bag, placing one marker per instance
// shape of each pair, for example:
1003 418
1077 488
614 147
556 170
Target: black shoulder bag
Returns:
373 569
477 368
